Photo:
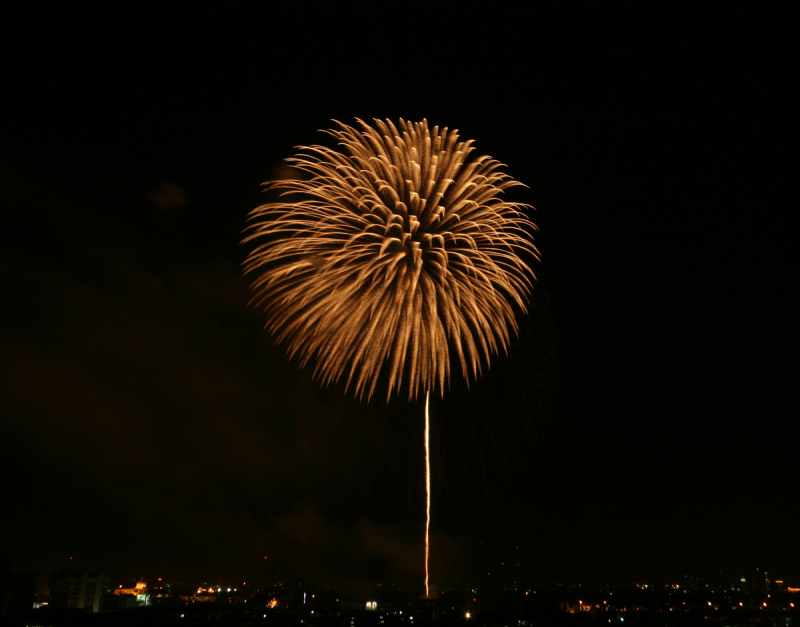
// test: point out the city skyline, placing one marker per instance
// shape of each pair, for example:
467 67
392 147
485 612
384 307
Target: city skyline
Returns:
754 597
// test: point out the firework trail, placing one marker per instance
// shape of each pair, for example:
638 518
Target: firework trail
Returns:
427 487
395 257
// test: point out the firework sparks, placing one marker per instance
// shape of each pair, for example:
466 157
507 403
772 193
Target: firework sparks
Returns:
396 253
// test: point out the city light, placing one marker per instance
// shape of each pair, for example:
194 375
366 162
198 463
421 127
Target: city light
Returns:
662 598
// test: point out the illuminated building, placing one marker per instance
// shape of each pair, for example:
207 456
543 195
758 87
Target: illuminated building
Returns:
139 591
72 588
139 588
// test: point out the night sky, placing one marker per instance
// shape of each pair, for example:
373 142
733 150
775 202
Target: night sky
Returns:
641 426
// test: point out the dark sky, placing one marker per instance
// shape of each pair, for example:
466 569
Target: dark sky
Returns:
642 424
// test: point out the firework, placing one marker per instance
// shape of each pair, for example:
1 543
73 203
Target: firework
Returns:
395 257
395 252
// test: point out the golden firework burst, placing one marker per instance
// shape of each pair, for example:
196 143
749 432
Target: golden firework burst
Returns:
396 256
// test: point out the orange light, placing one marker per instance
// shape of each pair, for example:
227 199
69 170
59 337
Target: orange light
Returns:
427 488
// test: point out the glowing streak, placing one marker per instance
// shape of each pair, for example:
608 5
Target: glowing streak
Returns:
427 486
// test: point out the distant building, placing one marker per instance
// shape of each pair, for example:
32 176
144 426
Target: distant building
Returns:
139 592
755 581
139 588
118 602
72 588
204 598
17 592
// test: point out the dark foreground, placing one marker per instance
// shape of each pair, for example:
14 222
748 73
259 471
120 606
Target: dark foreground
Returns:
457 606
